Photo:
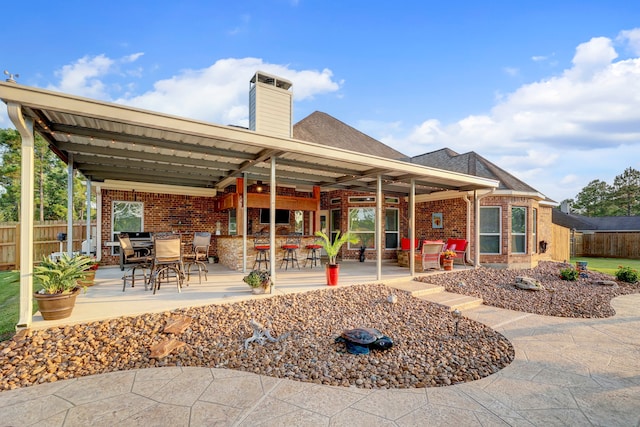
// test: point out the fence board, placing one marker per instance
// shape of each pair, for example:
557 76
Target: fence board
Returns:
560 243
608 244
45 240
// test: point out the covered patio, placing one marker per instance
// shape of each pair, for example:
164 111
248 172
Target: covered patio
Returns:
131 148
106 300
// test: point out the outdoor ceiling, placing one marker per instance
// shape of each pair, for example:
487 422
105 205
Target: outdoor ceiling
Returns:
114 142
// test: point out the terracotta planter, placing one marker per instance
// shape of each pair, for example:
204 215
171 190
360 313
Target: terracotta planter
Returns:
57 306
447 264
88 279
332 271
265 288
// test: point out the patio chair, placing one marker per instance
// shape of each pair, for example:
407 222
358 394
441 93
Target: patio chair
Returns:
167 261
134 259
313 253
290 249
459 246
431 255
262 246
198 255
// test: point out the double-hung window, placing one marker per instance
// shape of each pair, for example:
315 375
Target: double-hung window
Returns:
490 226
518 230
362 223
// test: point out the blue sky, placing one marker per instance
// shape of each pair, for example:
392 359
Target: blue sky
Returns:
548 90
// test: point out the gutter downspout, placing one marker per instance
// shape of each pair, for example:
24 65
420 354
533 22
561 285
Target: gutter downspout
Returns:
468 231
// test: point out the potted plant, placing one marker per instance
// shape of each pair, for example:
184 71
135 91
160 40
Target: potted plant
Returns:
447 261
258 280
90 274
332 249
59 282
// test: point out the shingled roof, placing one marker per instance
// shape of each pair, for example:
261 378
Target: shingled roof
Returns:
472 163
602 223
322 128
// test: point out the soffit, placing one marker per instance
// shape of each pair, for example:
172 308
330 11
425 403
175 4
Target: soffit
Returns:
114 142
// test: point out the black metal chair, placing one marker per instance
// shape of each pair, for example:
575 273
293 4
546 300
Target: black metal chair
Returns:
198 255
262 246
290 248
167 261
135 259
313 253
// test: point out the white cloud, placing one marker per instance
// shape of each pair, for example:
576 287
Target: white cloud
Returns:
83 77
631 38
219 93
556 134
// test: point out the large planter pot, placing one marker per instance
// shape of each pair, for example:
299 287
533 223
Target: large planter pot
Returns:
88 279
57 306
332 271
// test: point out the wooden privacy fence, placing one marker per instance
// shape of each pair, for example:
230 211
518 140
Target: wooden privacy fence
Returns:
45 240
560 243
607 244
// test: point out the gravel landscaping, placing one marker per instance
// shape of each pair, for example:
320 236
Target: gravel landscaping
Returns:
427 351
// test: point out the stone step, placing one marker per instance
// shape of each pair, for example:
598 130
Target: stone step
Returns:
453 301
414 287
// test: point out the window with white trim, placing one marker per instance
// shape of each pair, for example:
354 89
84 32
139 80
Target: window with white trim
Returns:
126 217
534 231
518 230
362 223
391 229
490 230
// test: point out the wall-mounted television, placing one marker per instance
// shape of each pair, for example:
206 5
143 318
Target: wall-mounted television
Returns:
282 216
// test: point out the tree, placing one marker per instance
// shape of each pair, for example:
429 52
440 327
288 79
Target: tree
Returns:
594 199
50 175
626 193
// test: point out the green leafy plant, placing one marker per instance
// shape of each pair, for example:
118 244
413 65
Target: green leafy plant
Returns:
627 274
332 248
257 278
61 277
569 273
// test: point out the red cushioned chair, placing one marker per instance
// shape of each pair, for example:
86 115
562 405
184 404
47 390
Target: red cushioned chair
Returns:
459 246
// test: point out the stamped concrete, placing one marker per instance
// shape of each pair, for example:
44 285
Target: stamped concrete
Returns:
567 372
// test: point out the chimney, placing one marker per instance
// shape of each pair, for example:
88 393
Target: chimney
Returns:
270 105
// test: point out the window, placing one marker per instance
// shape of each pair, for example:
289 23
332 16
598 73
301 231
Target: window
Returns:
362 223
299 220
392 200
518 230
391 229
534 231
126 217
490 227
233 222
362 199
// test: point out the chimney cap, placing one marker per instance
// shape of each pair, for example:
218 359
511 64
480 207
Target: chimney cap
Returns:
270 79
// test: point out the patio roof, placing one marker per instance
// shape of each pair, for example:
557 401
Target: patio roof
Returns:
109 141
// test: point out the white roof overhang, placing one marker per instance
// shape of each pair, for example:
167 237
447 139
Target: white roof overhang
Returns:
114 142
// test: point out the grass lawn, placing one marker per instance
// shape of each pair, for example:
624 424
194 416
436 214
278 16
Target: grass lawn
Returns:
607 265
9 306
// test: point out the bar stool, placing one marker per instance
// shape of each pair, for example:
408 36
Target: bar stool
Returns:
313 254
262 247
290 248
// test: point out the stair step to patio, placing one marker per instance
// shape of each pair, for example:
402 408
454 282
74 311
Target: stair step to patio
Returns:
414 287
453 301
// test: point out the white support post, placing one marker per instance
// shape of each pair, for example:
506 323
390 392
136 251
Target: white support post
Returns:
245 225
379 228
70 171
412 229
272 221
98 223
88 234
25 128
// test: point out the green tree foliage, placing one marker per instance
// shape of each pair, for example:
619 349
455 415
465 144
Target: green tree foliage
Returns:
601 199
594 199
50 185
626 193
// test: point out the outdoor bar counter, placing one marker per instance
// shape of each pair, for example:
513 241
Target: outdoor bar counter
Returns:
229 250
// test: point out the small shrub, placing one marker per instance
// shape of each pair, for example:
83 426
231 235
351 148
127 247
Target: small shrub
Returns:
627 274
569 273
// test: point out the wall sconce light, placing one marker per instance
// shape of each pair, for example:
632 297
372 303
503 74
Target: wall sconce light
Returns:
259 187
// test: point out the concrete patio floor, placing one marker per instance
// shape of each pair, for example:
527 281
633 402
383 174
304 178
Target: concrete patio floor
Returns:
106 299
567 372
